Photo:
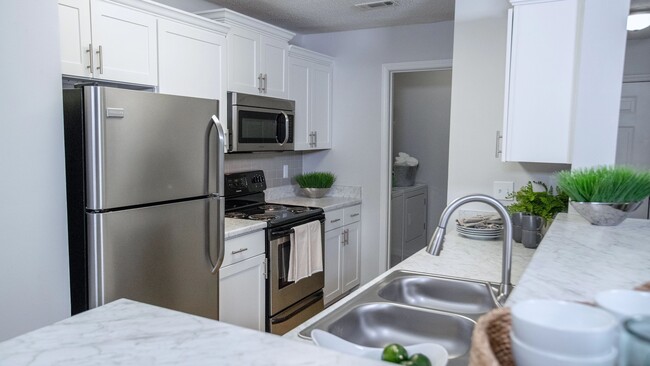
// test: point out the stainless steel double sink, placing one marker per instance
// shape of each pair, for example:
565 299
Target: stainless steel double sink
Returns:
408 308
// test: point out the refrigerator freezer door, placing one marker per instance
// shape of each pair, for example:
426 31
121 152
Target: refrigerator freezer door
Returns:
161 255
144 147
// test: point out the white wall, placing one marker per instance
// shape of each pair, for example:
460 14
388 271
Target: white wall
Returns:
421 106
355 154
477 100
34 288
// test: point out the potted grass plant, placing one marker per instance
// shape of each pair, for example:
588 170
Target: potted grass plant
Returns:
315 184
605 195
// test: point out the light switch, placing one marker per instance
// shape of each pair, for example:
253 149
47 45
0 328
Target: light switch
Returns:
503 189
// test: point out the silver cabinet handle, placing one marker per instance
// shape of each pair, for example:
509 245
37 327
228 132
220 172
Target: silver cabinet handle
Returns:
100 52
497 151
259 83
91 64
266 82
311 139
354 215
239 251
315 138
335 220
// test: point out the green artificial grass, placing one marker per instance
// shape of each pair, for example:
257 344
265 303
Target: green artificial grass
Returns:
315 180
618 184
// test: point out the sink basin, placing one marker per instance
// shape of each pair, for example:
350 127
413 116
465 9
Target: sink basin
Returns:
456 296
409 308
380 324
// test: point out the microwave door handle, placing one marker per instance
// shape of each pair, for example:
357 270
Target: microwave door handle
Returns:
286 128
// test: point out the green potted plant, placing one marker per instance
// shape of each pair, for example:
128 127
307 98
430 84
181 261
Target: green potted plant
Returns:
605 195
544 203
315 184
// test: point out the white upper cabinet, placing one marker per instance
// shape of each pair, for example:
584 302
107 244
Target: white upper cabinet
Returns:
540 81
107 41
75 40
310 85
192 61
257 54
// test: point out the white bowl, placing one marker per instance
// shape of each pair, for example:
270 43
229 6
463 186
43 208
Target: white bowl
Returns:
436 353
624 304
564 327
527 355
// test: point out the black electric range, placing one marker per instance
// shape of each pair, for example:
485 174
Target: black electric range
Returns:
244 199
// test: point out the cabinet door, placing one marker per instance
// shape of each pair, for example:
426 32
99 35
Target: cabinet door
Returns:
128 44
74 37
203 74
320 102
415 216
242 293
273 65
540 82
243 61
332 265
350 257
299 91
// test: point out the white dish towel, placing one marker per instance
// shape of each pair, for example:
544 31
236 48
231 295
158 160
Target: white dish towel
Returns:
306 251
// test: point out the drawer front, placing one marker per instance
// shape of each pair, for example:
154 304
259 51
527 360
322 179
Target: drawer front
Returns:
333 219
352 214
243 247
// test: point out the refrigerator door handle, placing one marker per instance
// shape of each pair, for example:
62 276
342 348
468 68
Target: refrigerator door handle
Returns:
214 266
214 121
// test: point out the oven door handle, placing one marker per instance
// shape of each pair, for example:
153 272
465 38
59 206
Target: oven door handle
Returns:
282 232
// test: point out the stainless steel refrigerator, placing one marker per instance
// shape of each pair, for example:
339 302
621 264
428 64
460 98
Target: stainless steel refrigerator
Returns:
145 207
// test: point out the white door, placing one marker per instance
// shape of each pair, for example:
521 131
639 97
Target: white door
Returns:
242 293
243 61
633 146
128 44
273 65
332 265
204 74
350 257
75 37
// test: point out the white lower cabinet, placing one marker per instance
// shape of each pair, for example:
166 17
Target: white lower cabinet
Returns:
242 291
342 244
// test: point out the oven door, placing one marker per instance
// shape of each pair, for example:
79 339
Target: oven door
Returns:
296 314
283 293
261 129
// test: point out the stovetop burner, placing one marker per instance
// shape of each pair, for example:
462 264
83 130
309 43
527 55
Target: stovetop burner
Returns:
263 217
236 215
272 207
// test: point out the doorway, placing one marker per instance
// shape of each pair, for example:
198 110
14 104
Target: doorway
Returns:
407 119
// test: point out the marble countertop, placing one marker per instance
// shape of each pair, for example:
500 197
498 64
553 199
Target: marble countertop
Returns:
238 227
576 260
126 332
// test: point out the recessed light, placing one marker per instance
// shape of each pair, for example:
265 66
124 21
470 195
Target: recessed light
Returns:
638 21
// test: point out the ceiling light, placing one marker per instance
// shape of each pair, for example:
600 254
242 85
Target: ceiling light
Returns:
638 21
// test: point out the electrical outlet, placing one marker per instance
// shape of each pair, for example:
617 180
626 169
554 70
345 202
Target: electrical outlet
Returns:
503 189
285 171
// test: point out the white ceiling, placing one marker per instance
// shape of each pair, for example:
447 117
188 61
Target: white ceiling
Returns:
321 16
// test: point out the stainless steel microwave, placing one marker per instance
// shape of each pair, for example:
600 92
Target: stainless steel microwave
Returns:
258 123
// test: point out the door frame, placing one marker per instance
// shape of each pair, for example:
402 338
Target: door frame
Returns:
386 152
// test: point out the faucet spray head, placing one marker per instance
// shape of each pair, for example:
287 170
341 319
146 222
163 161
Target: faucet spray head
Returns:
435 245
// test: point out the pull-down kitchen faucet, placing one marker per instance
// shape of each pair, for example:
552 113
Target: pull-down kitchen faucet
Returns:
435 245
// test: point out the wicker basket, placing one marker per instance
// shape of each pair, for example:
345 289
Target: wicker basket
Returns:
491 338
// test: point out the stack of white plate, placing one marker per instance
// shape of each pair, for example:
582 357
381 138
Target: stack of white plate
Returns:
480 227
